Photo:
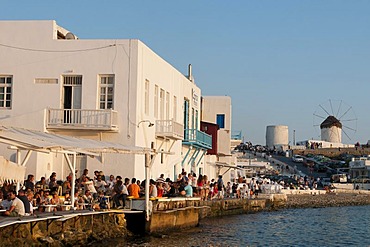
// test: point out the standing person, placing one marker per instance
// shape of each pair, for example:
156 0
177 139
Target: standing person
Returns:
220 187
228 190
17 207
200 190
252 185
206 186
161 179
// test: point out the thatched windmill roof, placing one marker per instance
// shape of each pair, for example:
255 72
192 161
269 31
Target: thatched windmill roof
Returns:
330 122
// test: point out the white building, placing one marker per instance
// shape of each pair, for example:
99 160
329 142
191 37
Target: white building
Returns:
216 120
107 90
277 137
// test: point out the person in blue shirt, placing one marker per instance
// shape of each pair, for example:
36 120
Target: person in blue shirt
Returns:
188 190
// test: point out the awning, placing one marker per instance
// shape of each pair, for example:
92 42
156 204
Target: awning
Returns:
223 164
11 172
47 142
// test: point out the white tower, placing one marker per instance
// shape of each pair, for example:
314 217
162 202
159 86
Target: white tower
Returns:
277 135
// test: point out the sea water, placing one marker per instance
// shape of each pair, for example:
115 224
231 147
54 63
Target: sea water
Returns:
332 226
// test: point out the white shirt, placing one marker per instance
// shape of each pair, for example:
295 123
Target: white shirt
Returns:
18 206
154 192
90 186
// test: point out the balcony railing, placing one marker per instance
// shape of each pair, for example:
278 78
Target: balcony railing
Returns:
169 129
82 119
198 138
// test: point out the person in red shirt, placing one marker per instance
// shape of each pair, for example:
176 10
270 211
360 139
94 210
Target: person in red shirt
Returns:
133 189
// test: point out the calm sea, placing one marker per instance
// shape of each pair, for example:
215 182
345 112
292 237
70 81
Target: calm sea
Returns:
334 226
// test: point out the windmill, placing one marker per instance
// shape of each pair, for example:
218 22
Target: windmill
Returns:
334 117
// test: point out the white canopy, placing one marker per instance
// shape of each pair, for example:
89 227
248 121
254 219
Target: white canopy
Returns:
47 142
38 141
10 171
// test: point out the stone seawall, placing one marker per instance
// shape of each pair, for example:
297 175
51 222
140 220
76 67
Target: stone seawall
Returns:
69 231
241 206
326 200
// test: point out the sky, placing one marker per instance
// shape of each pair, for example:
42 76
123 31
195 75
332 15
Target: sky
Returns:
281 62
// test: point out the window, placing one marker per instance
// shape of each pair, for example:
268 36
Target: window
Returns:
196 119
192 118
146 106
6 91
174 116
167 105
221 120
106 91
161 99
156 101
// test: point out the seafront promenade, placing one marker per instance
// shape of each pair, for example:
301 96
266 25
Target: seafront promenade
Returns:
86 227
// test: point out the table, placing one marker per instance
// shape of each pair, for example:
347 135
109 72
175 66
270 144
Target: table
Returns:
49 207
83 205
65 207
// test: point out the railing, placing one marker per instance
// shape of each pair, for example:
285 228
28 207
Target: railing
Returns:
82 119
196 137
170 129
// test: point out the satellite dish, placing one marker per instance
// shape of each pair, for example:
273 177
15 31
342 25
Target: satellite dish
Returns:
70 36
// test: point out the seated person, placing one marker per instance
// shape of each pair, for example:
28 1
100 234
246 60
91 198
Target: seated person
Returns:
188 190
26 203
6 203
17 207
55 200
103 201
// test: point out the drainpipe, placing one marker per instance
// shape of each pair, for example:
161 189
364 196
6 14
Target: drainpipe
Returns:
147 176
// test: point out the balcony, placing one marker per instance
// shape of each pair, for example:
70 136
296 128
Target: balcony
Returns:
169 129
197 138
77 119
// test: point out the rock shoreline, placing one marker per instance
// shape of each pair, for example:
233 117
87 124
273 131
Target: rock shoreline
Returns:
326 200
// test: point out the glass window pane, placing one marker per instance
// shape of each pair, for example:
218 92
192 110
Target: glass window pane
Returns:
9 80
7 103
2 80
1 96
1 103
103 90
9 90
110 80
2 90
8 96
102 106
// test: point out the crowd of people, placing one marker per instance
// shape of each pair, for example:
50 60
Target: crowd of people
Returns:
100 192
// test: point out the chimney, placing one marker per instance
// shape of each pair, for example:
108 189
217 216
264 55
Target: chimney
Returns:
190 74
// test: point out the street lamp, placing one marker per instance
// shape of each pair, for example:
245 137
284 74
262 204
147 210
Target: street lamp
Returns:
146 121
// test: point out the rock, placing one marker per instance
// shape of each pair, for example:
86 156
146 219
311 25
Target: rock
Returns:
48 240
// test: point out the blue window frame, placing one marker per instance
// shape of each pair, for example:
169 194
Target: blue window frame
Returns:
221 120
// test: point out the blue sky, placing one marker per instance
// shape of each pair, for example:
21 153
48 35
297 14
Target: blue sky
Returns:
278 60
